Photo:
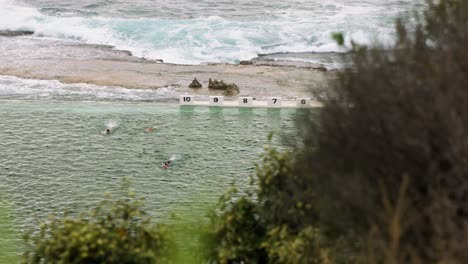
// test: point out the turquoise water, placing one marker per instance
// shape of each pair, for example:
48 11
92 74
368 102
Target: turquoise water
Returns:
197 31
55 157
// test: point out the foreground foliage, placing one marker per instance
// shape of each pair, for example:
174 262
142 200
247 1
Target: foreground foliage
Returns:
116 231
381 175
389 154
267 225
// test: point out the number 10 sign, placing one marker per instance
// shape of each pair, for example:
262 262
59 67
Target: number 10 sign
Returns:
186 100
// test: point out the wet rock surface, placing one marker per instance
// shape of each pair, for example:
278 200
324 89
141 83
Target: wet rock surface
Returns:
246 63
71 62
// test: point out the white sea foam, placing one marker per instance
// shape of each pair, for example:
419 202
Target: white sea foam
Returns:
112 124
30 89
174 157
215 38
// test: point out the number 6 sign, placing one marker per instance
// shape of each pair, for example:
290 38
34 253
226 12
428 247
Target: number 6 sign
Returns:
303 102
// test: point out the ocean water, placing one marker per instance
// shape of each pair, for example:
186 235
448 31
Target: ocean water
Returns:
56 157
197 31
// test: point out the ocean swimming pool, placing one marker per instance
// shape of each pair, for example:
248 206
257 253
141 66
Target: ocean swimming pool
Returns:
55 155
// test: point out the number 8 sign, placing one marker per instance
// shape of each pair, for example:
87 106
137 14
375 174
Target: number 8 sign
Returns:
245 101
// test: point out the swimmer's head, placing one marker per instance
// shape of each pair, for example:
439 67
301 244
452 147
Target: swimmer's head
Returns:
108 131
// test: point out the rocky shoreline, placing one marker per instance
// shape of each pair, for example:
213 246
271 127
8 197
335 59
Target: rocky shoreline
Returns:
73 62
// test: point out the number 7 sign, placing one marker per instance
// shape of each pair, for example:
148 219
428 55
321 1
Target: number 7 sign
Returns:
274 101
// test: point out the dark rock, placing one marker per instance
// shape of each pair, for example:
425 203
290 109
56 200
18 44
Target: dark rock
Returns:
15 33
127 52
321 68
216 85
245 63
229 89
195 84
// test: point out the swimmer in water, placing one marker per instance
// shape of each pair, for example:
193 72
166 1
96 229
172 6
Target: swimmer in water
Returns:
167 164
108 131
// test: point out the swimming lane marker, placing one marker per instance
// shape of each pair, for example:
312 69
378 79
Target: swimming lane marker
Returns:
270 102
274 101
303 102
186 100
216 100
245 101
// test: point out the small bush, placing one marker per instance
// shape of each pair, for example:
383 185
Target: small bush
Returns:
116 231
270 224
236 231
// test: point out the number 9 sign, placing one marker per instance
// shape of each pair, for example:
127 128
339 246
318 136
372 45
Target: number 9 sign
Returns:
216 100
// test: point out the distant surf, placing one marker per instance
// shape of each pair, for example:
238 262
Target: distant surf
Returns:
13 88
208 35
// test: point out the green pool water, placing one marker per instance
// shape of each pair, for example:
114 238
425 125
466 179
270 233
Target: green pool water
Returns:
54 156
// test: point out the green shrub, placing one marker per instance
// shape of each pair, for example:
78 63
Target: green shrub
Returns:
116 231
236 231
285 198
389 153
270 224
284 246
381 174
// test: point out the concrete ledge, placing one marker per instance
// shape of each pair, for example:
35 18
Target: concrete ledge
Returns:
270 103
